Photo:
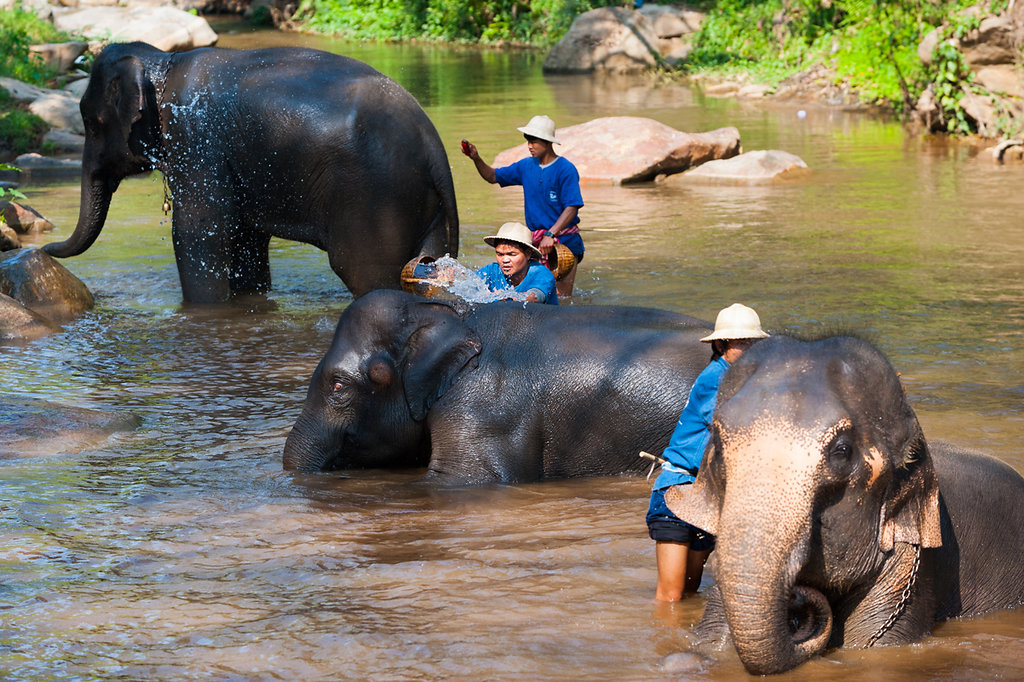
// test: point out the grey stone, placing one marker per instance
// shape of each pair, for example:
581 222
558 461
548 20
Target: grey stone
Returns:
34 427
749 168
166 28
59 109
611 39
60 56
37 281
18 323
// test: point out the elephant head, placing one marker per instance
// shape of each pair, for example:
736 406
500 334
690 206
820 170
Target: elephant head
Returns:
393 356
817 471
122 135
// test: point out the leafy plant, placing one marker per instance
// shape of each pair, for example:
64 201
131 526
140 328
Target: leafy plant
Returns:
18 30
20 130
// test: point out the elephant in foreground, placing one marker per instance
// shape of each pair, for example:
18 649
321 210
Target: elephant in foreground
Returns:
837 524
284 142
501 392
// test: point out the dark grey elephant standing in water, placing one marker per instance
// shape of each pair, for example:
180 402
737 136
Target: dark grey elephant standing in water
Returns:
284 142
506 392
837 524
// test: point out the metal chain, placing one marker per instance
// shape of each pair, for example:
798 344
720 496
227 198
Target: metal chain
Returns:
903 599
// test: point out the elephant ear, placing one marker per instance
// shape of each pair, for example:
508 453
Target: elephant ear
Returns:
910 512
125 93
698 503
437 350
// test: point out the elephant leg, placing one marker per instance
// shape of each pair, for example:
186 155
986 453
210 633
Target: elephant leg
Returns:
202 249
250 262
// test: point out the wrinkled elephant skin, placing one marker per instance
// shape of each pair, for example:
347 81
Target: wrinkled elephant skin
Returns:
503 392
282 142
837 524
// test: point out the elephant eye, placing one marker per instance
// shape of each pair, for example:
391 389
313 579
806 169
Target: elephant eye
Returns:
840 451
339 396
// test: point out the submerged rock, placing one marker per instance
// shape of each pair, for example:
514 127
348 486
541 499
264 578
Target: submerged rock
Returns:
625 149
37 281
749 168
18 323
33 427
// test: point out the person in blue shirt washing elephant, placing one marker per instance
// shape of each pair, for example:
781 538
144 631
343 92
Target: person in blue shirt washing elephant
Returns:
682 549
516 267
551 193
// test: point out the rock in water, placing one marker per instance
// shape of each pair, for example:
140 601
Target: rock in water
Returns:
37 281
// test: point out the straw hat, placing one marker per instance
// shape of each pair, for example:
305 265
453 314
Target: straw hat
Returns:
540 127
561 261
516 233
736 322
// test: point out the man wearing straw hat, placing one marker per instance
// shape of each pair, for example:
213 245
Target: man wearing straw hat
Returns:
682 549
516 267
551 195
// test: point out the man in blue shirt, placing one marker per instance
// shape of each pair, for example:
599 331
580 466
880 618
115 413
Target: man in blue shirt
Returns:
682 549
551 193
516 267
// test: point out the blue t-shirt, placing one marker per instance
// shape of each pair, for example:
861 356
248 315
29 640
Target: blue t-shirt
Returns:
693 430
537 277
546 191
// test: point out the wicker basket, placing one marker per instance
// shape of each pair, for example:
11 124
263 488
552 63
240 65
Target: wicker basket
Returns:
420 278
561 262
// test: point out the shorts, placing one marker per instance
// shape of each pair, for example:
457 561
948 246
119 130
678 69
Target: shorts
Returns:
664 526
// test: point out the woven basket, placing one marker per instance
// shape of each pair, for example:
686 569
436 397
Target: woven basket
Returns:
418 277
561 262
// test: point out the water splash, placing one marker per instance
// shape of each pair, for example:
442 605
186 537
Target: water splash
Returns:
458 280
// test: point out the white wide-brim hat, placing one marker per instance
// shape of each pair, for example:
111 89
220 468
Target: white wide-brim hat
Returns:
540 127
736 322
518 234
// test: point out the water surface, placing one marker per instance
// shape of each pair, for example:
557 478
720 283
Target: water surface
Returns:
181 550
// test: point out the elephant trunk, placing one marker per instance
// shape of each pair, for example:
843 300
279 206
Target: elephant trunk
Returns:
776 624
305 450
92 213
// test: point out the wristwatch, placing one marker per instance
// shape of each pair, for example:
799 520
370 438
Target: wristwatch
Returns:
547 233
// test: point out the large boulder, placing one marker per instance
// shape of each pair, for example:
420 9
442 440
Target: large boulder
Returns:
34 427
18 323
37 281
167 28
751 168
613 39
626 149
60 110
59 56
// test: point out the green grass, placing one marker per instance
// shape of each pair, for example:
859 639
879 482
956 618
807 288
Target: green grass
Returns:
18 30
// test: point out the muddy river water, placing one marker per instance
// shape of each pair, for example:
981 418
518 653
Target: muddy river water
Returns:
181 550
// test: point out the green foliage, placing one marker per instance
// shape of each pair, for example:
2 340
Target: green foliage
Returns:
949 72
18 30
20 130
8 193
870 46
540 22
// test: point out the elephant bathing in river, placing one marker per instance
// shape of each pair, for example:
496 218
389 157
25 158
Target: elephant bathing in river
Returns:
506 392
284 142
836 523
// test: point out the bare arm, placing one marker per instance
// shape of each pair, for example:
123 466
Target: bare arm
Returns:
548 243
486 172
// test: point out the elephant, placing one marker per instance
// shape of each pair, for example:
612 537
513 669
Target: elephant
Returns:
287 142
837 523
503 392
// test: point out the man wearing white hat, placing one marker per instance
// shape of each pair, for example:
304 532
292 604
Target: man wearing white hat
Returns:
551 192
682 549
516 266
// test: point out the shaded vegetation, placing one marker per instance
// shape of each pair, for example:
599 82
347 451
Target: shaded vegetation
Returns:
536 22
20 129
870 45
18 30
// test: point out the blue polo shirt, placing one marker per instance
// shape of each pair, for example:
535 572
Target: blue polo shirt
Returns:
537 277
547 191
693 430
